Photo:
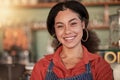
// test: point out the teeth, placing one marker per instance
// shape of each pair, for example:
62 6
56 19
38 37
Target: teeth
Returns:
69 38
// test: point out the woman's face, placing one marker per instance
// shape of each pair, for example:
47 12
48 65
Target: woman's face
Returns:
69 28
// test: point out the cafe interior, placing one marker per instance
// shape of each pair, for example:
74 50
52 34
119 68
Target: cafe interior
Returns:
24 38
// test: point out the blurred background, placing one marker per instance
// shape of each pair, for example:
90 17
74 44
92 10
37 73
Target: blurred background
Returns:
24 38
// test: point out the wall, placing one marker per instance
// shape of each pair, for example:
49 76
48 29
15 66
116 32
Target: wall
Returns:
41 37
97 15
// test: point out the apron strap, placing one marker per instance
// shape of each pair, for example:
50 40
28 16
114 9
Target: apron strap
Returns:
51 76
49 71
50 67
88 68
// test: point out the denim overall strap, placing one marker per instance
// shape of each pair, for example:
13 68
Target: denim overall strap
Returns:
89 71
50 74
84 76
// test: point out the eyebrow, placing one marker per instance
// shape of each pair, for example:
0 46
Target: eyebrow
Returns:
72 19
58 23
68 21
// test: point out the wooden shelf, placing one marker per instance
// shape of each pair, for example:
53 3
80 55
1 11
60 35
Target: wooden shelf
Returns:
101 27
39 5
101 3
38 28
50 4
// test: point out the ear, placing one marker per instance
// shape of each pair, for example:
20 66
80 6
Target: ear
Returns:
83 24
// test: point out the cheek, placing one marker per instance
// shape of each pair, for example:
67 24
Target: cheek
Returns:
58 34
79 32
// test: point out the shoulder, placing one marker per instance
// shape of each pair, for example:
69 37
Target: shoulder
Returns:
99 62
43 62
40 68
101 69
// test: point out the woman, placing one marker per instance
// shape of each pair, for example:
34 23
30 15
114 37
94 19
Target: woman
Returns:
67 22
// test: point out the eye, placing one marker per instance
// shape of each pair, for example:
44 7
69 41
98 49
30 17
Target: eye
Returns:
73 24
59 26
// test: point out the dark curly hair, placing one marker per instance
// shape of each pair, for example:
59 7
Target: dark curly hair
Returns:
93 42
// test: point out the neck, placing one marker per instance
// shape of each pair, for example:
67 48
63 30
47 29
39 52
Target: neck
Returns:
71 56
76 52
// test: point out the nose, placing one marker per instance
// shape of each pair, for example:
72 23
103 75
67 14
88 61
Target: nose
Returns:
67 30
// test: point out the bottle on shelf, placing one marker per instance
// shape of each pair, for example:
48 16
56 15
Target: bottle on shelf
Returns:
115 30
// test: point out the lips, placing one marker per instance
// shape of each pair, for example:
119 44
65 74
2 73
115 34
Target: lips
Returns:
69 39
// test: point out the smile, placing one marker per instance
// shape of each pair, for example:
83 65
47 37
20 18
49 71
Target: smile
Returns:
69 38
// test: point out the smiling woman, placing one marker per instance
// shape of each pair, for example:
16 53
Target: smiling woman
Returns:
67 22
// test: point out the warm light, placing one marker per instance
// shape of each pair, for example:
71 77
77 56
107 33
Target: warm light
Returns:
5 2
5 8
5 13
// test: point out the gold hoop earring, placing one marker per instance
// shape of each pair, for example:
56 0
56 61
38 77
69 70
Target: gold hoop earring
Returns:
84 40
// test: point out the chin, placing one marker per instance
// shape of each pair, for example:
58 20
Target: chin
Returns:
70 46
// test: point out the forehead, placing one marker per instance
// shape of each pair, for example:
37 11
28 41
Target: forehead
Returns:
67 13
